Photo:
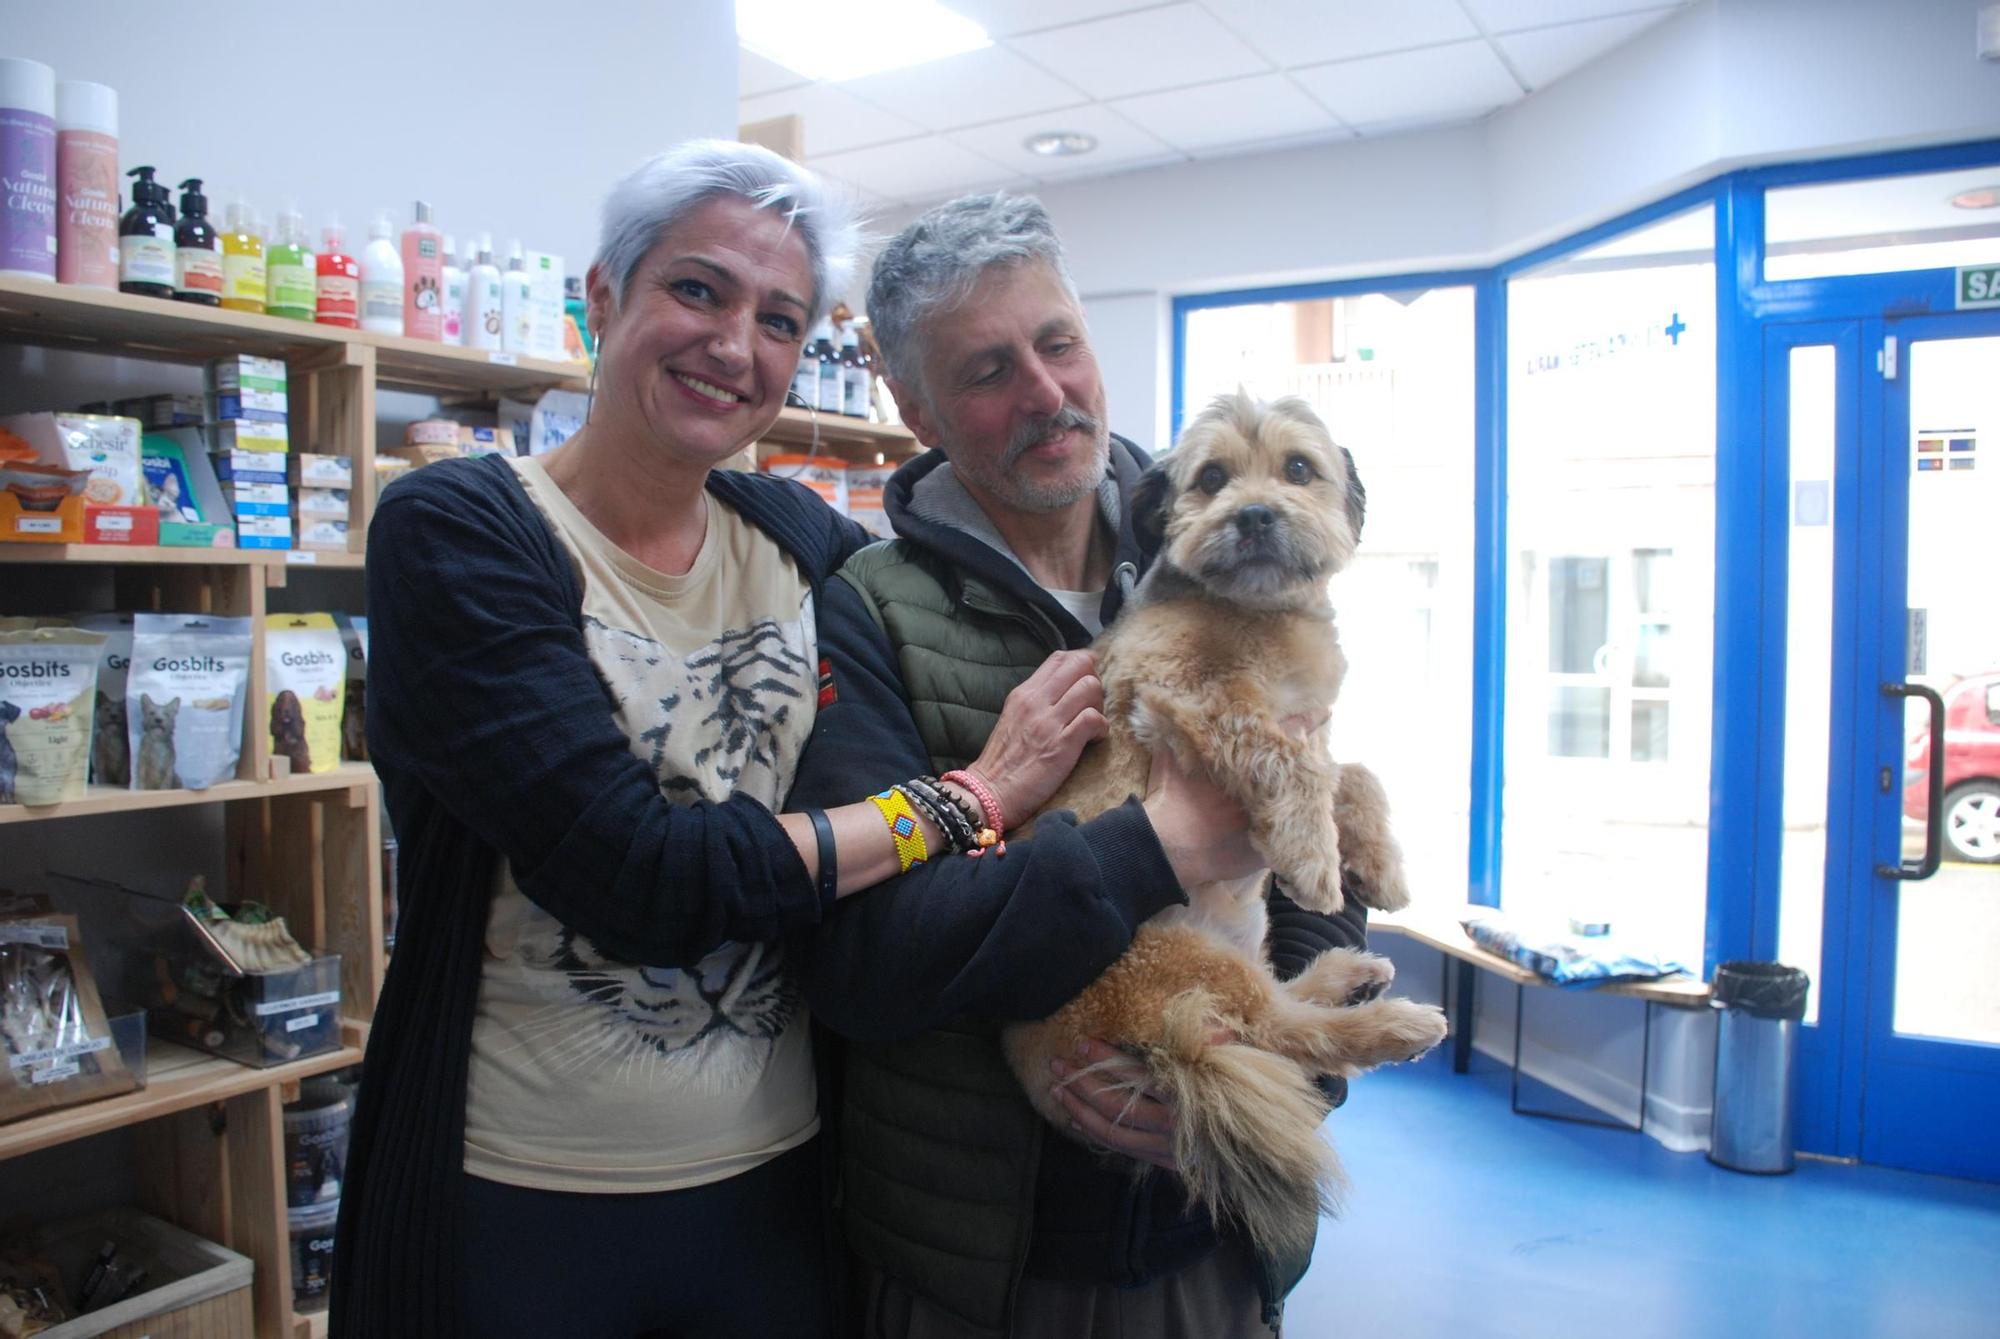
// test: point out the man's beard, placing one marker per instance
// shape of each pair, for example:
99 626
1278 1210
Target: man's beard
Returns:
1031 495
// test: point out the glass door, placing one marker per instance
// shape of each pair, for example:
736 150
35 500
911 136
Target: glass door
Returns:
1930 1089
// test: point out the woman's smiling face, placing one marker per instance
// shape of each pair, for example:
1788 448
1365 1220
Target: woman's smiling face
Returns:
700 354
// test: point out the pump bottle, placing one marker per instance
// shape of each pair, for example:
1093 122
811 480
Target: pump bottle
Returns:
146 239
289 265
197 262
244 287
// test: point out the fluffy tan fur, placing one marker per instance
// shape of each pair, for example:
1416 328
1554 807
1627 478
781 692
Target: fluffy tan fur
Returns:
1228 636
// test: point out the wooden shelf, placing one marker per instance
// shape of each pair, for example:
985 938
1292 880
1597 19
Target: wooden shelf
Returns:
66 316
113 800
853 438
177 1078
122 554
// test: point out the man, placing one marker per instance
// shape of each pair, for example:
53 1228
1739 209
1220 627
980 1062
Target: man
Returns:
969 1217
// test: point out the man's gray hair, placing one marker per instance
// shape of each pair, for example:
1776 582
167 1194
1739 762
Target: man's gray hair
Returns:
936 261
662 190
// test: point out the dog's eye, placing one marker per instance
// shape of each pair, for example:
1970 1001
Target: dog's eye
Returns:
1299 470
1211 479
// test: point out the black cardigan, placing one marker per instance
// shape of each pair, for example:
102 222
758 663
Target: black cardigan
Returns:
494 736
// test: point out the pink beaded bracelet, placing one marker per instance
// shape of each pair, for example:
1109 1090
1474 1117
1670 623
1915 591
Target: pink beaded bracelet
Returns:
995 831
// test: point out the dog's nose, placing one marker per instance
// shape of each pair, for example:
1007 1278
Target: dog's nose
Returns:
1255 520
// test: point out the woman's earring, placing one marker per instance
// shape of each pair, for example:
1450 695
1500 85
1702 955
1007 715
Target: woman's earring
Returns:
591 403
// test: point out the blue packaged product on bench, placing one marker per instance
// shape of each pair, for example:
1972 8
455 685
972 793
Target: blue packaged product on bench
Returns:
1563 958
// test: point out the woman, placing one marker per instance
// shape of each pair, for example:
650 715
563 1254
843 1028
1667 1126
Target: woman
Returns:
592 675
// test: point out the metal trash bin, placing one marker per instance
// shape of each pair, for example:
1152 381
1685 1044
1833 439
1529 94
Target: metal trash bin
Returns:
1756 1049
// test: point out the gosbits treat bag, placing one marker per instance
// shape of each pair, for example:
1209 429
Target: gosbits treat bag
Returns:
184 699
48 682
305 679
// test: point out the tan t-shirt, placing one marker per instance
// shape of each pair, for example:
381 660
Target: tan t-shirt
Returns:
594 1075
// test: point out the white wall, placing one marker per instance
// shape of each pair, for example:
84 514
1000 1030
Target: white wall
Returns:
507 116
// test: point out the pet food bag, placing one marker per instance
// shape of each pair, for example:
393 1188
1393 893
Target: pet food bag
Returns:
53 1030
110 753
48 687
184 699
305 675
354 716
106 448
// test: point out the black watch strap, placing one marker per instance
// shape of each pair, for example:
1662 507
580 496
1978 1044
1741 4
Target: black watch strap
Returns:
829 856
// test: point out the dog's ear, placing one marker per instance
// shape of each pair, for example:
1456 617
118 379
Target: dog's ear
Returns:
1357 496
1150 501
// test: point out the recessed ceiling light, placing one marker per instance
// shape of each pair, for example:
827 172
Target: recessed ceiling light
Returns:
849 41
1979 197
1060 143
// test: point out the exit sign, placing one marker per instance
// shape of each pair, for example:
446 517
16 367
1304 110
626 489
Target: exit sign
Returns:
1979 286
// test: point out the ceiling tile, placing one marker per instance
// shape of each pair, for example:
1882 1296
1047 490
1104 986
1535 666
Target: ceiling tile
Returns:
755 75
835 119
930 168
1506 16
1138 53
1411 87
1120 144
989 85
1009 18
1308 32
1262 107
1547 54
1274 145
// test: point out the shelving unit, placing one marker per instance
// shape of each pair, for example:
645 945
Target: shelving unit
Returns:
209 1131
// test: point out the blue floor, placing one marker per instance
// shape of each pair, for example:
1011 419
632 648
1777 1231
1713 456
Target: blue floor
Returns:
1467 1220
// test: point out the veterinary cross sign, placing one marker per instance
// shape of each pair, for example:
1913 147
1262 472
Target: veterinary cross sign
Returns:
1676 328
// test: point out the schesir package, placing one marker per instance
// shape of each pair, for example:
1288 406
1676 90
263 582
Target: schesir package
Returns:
48 687
305 674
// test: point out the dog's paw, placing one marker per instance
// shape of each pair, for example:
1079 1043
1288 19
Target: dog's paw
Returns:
1342 976
1314 883
1409 1029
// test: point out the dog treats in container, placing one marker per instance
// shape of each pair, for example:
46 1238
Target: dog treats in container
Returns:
316 1147
312 1254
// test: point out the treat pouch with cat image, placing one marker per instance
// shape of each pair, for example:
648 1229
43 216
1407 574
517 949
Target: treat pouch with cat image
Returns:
110 751
184 699
48 687
305 678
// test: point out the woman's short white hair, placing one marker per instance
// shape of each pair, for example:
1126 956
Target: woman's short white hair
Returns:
662 190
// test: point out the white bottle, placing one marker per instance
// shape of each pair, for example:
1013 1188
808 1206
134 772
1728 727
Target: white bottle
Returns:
382 279
517 304
452 285
482 299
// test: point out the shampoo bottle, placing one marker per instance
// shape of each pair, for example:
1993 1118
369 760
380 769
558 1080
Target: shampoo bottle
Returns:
853 374
482 299
517 304
451 294
197 258
243 276
87 183
423 277
829 369
293 275
28 167
146 239
338 296
382 279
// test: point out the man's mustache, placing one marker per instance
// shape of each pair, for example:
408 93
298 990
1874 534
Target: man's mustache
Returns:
1030 435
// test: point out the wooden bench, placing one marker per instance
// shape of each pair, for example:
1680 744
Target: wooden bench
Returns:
1440 929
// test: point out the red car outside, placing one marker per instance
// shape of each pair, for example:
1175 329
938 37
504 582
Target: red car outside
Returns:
1971 770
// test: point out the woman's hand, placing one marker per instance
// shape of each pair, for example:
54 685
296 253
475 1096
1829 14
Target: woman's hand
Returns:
1204 832
1112 1106
1042 730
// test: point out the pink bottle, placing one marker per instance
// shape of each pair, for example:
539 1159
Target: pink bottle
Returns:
423 277
86 184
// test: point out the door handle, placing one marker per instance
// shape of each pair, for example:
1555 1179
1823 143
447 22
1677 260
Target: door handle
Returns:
1933 785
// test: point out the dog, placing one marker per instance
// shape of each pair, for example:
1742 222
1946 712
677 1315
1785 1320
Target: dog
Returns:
1229 634
110 749
154 765
9 764
288 732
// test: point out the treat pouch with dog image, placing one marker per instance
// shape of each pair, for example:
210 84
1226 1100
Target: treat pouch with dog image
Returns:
184 699
48 687
110 751
305 677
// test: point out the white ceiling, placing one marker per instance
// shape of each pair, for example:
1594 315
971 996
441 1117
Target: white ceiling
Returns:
1168 82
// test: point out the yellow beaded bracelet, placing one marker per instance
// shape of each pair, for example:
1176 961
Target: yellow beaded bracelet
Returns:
904 829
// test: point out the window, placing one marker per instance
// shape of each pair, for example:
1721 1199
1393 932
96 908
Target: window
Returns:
1881 225
1611 539
1391 374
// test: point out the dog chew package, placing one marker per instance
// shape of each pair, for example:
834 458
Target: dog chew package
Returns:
305 677
354 719
48 687
184 699
110 753
55 1036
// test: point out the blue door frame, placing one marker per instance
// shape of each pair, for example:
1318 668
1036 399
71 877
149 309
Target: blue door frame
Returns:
1757 322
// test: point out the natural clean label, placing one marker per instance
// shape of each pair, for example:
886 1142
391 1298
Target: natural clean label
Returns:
1978 286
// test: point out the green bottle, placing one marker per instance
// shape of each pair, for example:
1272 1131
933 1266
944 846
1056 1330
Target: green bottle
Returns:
290 271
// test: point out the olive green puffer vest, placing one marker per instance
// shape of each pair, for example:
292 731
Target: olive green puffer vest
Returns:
938 1151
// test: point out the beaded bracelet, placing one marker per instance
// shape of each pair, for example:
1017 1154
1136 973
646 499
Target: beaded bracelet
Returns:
904 829
975 819
947 817
995 831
